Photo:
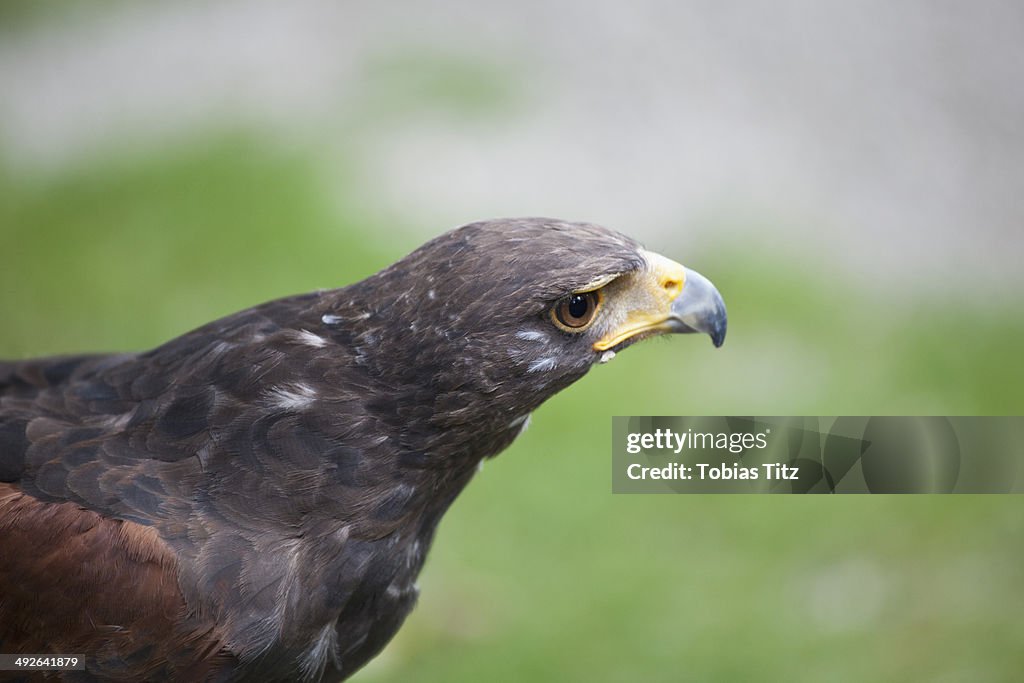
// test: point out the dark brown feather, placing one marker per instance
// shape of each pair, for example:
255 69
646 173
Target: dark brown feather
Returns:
254 499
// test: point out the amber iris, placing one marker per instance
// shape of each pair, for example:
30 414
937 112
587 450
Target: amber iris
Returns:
575 311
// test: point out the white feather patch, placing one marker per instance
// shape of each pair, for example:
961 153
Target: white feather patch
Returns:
523 422
325 646
291 397
542 364
311 339
532 335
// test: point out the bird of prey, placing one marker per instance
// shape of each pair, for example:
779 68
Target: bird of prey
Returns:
253 500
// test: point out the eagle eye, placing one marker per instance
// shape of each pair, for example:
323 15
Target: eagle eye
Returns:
576 311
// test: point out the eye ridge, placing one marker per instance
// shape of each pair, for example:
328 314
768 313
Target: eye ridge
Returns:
576 311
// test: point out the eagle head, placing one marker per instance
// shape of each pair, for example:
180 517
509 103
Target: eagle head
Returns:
485 322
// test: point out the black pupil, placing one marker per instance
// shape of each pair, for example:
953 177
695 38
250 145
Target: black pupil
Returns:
578 305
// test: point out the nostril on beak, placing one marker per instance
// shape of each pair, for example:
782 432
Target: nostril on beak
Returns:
672 286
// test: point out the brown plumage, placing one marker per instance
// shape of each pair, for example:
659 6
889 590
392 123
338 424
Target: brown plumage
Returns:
119 576
254 499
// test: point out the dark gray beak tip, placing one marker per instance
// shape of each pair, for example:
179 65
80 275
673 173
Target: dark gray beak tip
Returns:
700 308
718 332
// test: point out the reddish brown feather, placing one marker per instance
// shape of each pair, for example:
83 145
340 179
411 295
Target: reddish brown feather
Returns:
79 583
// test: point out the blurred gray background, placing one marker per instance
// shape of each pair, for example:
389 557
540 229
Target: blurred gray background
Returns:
873 136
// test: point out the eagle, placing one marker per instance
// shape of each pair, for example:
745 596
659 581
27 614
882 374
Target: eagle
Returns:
254 499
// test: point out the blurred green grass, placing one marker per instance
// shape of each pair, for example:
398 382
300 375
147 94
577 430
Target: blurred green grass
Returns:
127 251
539 573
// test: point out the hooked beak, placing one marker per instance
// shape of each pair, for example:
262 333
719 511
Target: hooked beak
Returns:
700 308
666 298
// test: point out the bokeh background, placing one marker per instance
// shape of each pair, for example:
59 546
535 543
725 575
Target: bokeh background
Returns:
850 175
